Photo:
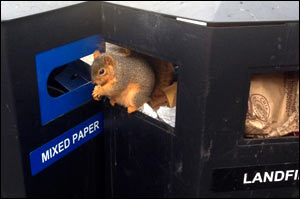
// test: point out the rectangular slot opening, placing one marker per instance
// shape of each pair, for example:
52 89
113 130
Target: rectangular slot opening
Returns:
63 78
273 105
162 99
69 77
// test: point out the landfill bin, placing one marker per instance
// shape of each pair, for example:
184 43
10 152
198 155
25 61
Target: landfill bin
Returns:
218 46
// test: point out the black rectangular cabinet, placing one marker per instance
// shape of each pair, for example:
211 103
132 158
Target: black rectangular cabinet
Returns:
205 155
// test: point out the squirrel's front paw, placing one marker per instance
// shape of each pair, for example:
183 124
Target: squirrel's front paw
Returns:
96 94
131 109
112 102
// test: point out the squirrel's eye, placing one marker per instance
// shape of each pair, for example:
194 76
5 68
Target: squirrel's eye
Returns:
101 72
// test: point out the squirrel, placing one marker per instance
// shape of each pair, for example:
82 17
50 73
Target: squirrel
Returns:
124 77
131 79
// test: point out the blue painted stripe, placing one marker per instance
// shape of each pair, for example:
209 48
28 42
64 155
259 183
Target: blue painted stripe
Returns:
60 146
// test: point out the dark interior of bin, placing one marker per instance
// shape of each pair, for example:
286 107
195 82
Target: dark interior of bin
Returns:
68 77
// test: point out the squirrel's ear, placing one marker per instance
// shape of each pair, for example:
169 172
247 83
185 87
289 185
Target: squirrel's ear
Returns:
109 60
96 54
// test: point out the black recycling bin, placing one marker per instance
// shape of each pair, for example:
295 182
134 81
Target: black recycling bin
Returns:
217 46
57 141
52 133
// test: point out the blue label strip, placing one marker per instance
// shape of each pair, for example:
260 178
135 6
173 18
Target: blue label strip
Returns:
60 146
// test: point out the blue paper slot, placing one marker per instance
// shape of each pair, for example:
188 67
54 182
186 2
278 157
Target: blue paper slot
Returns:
46 62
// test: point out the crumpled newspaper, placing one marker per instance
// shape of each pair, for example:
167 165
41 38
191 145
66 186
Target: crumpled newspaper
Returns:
273 105
164 113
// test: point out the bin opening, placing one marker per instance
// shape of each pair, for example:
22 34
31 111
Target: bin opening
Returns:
69 76
273 105
162 105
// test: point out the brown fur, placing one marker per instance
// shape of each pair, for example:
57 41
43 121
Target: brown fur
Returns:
164 77
126 79
127 95
96 54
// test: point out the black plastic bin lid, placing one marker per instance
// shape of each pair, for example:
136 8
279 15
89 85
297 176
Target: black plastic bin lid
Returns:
206 11
221 11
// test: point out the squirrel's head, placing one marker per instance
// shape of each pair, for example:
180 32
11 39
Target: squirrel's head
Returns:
102 69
